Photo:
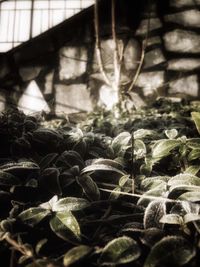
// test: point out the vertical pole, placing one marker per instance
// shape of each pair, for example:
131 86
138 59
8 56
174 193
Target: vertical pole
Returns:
132 161
31 19
98 45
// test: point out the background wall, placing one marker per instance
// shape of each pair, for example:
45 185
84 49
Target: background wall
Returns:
58 72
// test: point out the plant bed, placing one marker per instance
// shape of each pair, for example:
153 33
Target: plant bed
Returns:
108 191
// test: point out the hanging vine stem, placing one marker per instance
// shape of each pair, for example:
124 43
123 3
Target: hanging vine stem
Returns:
144 46
98 44
116 57
16 246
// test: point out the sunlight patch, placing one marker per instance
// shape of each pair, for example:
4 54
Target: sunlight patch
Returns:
32 100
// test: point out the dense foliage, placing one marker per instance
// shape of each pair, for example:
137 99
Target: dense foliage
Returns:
106 191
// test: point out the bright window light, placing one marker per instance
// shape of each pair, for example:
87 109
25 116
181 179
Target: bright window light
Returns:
19 23
32 99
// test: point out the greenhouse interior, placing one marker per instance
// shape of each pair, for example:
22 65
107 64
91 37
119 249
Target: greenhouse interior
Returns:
100 133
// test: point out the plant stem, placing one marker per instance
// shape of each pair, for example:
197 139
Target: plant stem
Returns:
116 50
144 46
21 248
98 46
132 161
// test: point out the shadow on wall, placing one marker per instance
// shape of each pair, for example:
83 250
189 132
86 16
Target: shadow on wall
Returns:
58 71
32 100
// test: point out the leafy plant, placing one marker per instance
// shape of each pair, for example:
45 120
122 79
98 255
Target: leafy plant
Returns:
104 191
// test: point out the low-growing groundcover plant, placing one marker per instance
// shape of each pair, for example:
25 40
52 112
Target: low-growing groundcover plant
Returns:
104 192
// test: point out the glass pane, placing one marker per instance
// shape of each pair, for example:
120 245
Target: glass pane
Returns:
57 16
87 3
4 24
47 14
24 4
69 13
24 28
16 44
37 22
44 20
57 4
40 4
16 26
73 4
10 26
5 47
40 21
8 5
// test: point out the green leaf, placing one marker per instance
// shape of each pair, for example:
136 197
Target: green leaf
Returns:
75 135
125 185
101 167
139 149
40 263
121 142
70 158
159 191
89 187
115 194
70 204
162 148
44 135
23 259
184 179
150 183
123 180
170 251
98 152
47 160
171 134
31 183
22 168
76 254
191 217
8 179
193 143
176 190
193 169
65 226
189 207
194 154
146 168
49 204
113 163
121 250
80 147
142 133
190 196
153 213
196 119
172 219
33 216
151 236
40 245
